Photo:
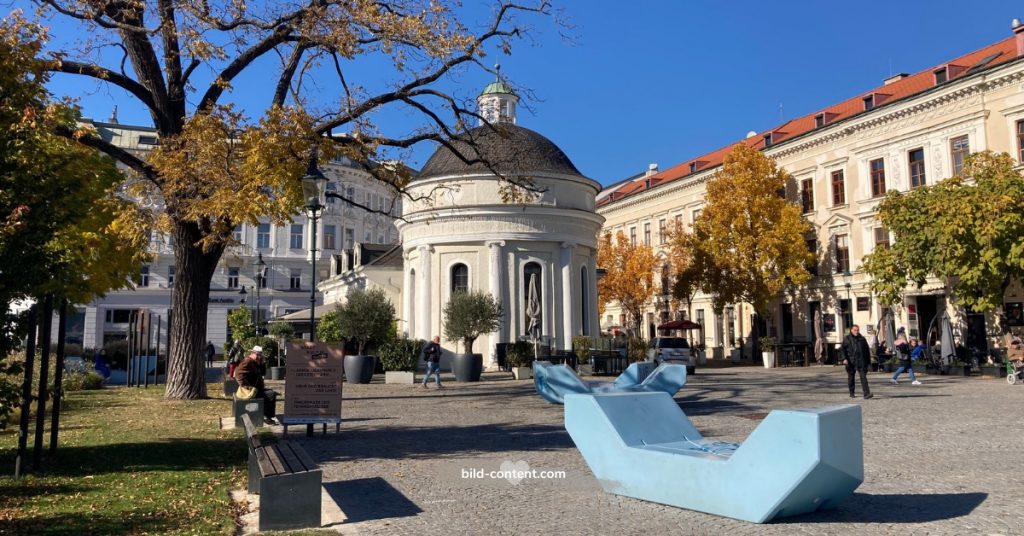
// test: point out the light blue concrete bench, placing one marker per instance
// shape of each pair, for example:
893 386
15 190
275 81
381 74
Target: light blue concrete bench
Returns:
642 445
553 382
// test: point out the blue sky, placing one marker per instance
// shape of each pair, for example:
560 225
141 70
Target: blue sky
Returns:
647 81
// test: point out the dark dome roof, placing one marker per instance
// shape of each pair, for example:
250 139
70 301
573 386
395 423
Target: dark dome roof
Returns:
509 148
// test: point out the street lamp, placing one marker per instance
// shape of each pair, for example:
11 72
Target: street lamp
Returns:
842 312
259 273
314 184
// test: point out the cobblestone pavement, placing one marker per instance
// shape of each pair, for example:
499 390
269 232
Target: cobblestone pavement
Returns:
940 458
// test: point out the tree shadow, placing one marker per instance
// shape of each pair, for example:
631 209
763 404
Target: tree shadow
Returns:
895 508
429 442
368 499
91 523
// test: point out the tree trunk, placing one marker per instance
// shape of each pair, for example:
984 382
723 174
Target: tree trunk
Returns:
190 299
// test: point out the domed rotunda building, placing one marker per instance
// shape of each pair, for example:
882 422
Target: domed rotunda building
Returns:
463 236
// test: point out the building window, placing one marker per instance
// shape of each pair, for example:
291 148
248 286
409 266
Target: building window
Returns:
236 234
118 316
666 279
149 140
170 276
144 276
700 320
693 167
661 231
460 278
807 195
349 238
881 237
696 214
838 188
232 277
1020 141
647 234
940 75
632 236
877 177
768 139
263 236
869 102
332 188
679 221
819 120
959 148
532 276
295 281
917 177
296 236
842 253
812 247
330 237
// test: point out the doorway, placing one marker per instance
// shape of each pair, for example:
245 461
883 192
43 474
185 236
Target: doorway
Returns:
787 322
927 308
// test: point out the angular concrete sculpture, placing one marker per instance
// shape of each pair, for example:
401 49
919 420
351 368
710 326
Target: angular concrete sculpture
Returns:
553 382
642 445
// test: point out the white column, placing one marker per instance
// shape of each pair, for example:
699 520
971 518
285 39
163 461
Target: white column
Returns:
408 287
495 278
424 299
595 319
567 303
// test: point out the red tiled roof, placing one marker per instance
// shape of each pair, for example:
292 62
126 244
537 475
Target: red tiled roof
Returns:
1004 51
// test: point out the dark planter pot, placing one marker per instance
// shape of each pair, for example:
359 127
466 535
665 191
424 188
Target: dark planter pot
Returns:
467 367
874 367
276 373
889 367
994 372
961 371
945 369
359 368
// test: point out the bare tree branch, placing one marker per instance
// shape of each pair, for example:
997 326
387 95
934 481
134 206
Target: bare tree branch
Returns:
119 154
285 80
216 89
106 75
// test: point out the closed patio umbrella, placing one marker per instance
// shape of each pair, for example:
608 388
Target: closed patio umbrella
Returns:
533 313
819 339
946 338
889 324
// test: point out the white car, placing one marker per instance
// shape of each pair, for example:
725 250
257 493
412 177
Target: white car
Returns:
671 350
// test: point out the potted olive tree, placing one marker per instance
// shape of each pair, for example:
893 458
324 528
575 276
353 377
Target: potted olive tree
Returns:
281 331
768 351
520 357
399 356
581 347
467 315
365 317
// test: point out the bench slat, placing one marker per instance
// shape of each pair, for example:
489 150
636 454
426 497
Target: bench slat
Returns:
304 458
252 436
280 467
266 467
285 449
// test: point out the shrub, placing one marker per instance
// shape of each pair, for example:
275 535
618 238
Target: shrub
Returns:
328 329
400 355
636 349
520 354
366 316
269 344
82 381
240 322
467 315
581 347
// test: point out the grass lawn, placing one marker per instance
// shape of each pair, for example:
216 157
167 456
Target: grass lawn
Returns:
128 462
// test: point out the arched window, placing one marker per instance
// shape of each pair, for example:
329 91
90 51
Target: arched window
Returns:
584 303
532 276
460 278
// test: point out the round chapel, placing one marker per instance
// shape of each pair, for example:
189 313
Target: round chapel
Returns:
460 235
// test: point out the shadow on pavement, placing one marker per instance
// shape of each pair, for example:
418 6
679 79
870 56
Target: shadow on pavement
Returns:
895 508
367 499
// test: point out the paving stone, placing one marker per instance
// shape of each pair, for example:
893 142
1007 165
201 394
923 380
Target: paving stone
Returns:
940 458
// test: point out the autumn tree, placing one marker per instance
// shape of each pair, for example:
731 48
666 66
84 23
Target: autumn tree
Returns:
217 167
685 276
629 276
748 242
966 230
64 230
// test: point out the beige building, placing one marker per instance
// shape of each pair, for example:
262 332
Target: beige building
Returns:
912 130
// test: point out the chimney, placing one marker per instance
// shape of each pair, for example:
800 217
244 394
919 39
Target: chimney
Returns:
651 170
113 113
895 78
1018 34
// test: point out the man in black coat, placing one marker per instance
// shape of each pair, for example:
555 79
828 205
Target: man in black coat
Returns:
856 356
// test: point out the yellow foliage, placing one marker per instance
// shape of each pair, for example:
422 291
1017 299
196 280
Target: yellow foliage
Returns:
629 277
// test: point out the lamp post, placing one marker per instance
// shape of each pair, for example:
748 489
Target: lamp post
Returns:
259 273
314 183
846 283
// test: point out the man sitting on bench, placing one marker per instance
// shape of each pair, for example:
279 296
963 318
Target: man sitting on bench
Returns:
249 374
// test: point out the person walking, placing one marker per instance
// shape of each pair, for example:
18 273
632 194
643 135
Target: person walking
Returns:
235 357
210 353
906 352
432 357
856 356
249 374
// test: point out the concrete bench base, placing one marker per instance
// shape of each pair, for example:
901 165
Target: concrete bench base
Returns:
252 407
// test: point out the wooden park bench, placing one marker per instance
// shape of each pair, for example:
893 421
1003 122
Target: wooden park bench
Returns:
287 481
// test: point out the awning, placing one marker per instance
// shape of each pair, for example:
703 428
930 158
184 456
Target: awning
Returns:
679 324
303 315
